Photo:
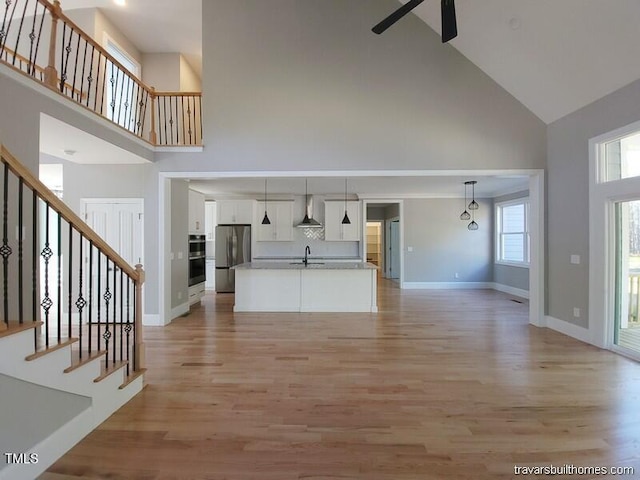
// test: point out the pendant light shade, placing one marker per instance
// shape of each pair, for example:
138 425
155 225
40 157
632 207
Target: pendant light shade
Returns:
265 220
473 205
473 225
345 219
465 215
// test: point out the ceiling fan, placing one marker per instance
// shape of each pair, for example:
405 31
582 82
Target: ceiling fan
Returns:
449 26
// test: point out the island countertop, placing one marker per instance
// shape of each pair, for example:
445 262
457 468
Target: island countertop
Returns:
313 264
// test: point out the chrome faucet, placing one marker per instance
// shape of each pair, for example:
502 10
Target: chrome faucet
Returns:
307 251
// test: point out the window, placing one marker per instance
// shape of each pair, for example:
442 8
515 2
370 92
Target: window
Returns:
621 158
120 89
512 232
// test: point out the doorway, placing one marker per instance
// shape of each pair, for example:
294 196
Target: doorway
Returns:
383 245
626 304
393 249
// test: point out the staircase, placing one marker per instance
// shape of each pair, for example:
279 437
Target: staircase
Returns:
71 349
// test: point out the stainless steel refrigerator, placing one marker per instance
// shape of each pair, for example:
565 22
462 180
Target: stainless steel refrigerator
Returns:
233 247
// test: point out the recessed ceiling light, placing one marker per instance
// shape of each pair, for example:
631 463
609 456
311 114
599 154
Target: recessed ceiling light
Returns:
69 152
515 23
120 3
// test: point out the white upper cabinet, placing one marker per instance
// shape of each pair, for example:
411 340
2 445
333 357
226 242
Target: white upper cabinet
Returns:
239 212
334 230
196 212
281 217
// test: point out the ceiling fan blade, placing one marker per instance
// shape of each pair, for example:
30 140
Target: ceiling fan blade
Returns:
395 16
449 26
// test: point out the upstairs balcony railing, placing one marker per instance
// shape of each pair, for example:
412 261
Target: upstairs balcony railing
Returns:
39 40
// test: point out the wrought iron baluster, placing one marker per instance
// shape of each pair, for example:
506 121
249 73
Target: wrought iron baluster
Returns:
189 117
99 292
115 309
24 14
135 319
89 322
34 259
5 250
104 83
184 137
144 113
121 73
127 327
173 100
33 49
80 302
84 62
46 253
59 268
20 251
95 99
121 314
90 78
4 32
107 298
70 295
75 66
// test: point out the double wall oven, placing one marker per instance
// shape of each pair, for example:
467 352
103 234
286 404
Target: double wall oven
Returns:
197 263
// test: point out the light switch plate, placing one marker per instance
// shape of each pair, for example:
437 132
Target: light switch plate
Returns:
409 249
576 312
575 259
180 255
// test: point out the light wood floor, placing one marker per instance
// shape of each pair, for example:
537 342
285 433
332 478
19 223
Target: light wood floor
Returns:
438 385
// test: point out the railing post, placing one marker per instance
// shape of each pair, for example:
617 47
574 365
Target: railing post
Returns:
50 73
152 135
139 343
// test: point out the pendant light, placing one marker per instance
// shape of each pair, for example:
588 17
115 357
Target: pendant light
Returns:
473 205
265 220
465 215
345 219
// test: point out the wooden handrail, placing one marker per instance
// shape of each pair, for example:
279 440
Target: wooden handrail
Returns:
178 94
65 212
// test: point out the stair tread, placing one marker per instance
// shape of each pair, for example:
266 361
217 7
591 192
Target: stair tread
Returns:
112 369
14 328
42 351
77 362
132 377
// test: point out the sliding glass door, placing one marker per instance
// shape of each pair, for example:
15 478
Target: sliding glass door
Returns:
626 305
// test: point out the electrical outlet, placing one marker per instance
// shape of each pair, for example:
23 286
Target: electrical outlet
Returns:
180 255
409 249
575 259
179 295
576 312
172 256
456 275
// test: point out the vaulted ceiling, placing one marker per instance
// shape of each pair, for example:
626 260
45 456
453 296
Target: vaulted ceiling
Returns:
554 56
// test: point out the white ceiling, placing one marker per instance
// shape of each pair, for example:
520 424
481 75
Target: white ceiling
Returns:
70 143
554 56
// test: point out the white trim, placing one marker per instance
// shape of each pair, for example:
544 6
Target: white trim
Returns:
518 292
108 39
511 264
152 320
179 310
446 285
536 248
569 329
179 149
626 352
511 191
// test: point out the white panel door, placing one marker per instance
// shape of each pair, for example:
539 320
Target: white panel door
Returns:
120 224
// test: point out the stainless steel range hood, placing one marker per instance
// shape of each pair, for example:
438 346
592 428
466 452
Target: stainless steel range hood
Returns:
308 221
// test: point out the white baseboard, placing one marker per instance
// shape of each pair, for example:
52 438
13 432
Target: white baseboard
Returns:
518 292
569 329
179 310
445 285
152 320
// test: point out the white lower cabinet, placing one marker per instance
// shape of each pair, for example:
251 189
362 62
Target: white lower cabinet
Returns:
280 215
334 229
196 292
210 272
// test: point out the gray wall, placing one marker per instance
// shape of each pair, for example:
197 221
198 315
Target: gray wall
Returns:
568 197
442 244
517 277
305 84
179 242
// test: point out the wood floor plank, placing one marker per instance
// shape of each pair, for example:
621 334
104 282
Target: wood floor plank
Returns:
437 385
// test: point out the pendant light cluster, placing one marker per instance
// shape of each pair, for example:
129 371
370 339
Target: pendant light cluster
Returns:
345 219
265 220
473 206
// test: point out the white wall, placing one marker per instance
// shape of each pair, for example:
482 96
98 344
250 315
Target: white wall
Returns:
189 80
162 71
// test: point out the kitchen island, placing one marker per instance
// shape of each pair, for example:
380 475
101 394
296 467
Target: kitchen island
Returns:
314 287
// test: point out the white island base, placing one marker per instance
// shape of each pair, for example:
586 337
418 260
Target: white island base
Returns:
285 287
